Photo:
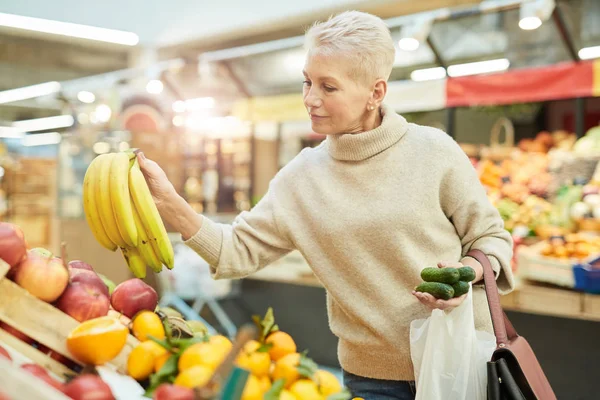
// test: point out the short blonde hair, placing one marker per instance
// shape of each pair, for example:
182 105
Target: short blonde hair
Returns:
363 37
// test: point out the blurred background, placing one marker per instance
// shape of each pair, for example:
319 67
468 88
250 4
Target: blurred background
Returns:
212 92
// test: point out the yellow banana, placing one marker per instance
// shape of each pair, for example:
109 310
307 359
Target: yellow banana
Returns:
153 225
103 199
120 198
135 262
145 244
90 206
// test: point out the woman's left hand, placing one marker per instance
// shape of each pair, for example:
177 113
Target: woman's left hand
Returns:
432 302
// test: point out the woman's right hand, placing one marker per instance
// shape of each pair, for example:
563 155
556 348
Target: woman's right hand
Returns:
161 188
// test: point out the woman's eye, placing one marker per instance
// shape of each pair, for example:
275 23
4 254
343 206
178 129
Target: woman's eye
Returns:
306 83
330 89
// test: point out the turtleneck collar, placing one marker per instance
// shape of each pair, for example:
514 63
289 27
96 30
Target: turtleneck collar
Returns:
363 145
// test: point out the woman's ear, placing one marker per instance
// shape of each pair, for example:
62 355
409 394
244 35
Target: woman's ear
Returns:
379 91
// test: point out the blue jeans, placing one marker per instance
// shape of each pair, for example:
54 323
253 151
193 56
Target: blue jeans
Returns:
379 389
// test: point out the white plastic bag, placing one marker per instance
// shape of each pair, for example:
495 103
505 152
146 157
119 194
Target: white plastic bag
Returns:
449 356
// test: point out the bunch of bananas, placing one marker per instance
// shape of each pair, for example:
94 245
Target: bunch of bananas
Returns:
121 213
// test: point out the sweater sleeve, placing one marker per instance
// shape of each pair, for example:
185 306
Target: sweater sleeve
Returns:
476 220
250 243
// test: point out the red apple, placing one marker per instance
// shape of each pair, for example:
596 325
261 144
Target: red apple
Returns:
88 277
133 296
88 387
172 392
78 264
16 333
41 373
45 278
12 244
83 301
4 353
4 396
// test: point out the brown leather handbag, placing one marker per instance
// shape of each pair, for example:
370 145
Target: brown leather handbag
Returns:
513 372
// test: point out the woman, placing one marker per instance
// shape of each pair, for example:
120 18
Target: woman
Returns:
379 200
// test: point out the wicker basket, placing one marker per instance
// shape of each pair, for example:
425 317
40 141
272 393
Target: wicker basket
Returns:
498 151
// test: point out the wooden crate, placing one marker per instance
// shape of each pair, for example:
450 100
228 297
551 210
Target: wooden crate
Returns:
536 267
19 384
45 324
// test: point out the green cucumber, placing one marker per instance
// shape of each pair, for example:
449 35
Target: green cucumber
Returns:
467 274
460 288
436 289
443 275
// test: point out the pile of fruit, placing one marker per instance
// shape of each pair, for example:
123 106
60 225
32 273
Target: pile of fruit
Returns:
121 213
516 178
545 141
571 246
171 365
446 283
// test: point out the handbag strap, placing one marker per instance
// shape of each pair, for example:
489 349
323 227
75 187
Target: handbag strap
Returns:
503 328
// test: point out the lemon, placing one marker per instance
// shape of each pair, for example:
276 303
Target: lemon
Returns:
305 389
193 377
327 383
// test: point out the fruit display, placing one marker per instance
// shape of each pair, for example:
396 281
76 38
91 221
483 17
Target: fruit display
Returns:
589 144
172 363
121 213
571 246
446 283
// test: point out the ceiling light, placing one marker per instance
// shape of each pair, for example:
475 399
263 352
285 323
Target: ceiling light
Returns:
530 23
408 44
9 132
29 92
533 13
415 33
589 53
69 29
428 74
481 67
42 124
86 97
41 139
154 86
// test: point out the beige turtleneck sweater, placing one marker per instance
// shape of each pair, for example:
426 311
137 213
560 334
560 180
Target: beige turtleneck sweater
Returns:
368 212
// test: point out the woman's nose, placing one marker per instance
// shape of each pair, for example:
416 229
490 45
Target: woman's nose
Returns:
312 100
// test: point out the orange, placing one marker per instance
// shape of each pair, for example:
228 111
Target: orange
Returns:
283 344
193 377
205 354
265 383
253 389
305 389
327 382
160 361
251 345
140 363
287 368
97 341
286 395
221 342
147 323
156 348
256 362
